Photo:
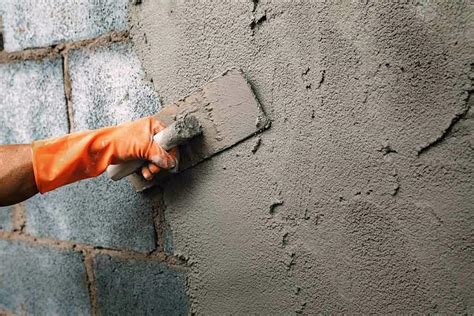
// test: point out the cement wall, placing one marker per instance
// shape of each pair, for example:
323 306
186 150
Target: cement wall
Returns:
359 198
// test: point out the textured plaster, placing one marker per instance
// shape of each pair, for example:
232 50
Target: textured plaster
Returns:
33 23
359 197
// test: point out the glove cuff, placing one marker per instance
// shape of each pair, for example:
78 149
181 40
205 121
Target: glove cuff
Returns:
63 160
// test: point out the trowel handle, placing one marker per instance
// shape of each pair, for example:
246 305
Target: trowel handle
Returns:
177 133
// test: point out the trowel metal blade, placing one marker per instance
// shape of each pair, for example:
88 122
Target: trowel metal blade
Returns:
228 111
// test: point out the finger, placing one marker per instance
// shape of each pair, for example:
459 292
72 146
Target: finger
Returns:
153 168
161 157
146 173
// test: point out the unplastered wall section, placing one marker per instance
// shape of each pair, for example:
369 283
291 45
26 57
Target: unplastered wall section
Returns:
94 247
359 197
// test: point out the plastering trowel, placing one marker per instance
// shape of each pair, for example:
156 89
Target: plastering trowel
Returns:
217 116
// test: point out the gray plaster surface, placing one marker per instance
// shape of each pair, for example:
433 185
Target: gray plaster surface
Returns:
134 287
97 211
6 218
109 87
37 280
32 105
55 21
359 197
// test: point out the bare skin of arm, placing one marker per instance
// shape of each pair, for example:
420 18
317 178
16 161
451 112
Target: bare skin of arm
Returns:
17 180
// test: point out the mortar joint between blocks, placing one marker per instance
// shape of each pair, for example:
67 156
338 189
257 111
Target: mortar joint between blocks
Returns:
172 261
55 51
159 220
19 218
68 91
88 257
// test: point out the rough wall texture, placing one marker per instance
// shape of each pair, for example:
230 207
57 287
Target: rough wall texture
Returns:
33 23
32 93
94 247
160 288
5 218
359 199
41 280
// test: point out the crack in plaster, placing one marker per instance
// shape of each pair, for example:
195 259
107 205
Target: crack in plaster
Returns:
447 131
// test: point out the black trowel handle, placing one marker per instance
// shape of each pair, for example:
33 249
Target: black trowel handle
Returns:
177 133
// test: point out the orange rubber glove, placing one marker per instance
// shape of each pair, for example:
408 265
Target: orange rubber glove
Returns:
63 160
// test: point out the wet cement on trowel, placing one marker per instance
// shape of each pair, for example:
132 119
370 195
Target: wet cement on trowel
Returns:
227 113
359 197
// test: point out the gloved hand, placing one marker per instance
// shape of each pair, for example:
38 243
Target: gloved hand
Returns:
63 160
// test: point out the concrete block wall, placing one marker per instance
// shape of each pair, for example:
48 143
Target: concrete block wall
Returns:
6 218
358 199
37 279
94 247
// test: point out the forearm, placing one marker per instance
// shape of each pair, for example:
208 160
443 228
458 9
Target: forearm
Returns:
17 179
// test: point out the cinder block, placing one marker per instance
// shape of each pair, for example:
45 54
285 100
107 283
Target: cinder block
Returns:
97 211
108 87
37 280
6 218
32 23
32 102
126 287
